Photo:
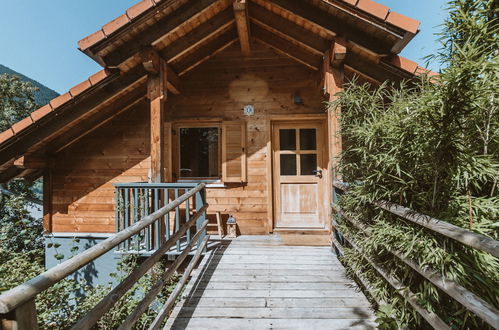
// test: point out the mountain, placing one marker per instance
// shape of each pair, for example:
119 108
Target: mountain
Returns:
42 96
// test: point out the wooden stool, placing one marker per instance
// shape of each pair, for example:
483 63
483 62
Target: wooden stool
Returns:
219 225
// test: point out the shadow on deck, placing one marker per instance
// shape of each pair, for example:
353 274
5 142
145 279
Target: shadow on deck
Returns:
257 282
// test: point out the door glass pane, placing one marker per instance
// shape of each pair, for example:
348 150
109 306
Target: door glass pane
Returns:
308 163
308 139
288 164
287 139
199 152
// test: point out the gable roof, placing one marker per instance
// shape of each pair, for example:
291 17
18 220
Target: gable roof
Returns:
187 33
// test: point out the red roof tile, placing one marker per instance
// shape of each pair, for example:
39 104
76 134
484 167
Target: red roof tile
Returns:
40 113
403 63
81 87
373 8
420 71
115 24
91 40
20 125
5 135
99 76
403 22
352 2
60 100
139 8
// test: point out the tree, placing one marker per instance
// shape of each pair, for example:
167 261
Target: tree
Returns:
433 146
17 100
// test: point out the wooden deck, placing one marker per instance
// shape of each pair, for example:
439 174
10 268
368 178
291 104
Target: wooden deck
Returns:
257 282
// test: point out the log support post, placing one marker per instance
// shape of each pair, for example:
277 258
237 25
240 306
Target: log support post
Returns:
333 84
157 83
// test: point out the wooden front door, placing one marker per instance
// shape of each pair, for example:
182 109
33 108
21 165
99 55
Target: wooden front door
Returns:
299 169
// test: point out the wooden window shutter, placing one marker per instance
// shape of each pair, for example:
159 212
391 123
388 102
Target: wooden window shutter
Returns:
234 151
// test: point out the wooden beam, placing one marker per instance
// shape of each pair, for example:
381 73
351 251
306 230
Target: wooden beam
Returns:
338 52
371 69
198 35
148 37
152 61
92 123
362 76
9 173
157 79
287 48
333 26
276 23
242 23
205 51
33 162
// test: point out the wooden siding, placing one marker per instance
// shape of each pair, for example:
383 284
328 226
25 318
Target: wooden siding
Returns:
82 191
83 177
220 88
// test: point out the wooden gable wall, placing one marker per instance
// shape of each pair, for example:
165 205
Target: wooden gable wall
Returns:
219 88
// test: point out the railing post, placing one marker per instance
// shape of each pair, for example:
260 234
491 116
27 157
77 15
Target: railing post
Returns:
200 200
23 317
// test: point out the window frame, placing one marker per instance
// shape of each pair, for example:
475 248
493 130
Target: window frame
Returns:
176 155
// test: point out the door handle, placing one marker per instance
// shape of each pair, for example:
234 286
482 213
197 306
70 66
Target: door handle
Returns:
317 173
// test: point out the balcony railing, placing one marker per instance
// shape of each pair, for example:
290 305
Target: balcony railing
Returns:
135 200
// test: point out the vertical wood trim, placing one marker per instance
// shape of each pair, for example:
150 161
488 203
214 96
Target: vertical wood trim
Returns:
168 154
270 178
47 201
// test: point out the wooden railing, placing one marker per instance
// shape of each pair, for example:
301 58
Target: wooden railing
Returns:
17 306
135 200
466 298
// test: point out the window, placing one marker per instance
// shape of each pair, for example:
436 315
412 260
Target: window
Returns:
298 151
199 152
211 151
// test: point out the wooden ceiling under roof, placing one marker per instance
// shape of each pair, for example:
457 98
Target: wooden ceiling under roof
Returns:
186 33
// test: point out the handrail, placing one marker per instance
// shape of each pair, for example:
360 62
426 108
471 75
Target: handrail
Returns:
465 297
462 235
434 320
112 297
27 291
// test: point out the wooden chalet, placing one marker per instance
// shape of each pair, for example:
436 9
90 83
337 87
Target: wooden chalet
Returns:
226 92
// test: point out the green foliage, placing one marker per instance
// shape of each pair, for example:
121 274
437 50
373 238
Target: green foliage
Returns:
17 100
432 146
42 95
19 231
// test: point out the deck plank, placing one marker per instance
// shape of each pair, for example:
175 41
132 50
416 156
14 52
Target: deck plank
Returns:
259 283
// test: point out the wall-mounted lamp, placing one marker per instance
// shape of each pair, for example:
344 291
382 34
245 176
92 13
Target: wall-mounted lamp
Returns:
231 227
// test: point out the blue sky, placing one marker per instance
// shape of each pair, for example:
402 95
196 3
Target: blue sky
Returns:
38 38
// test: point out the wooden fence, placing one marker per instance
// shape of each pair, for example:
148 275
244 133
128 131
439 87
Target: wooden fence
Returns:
466 298
17 306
